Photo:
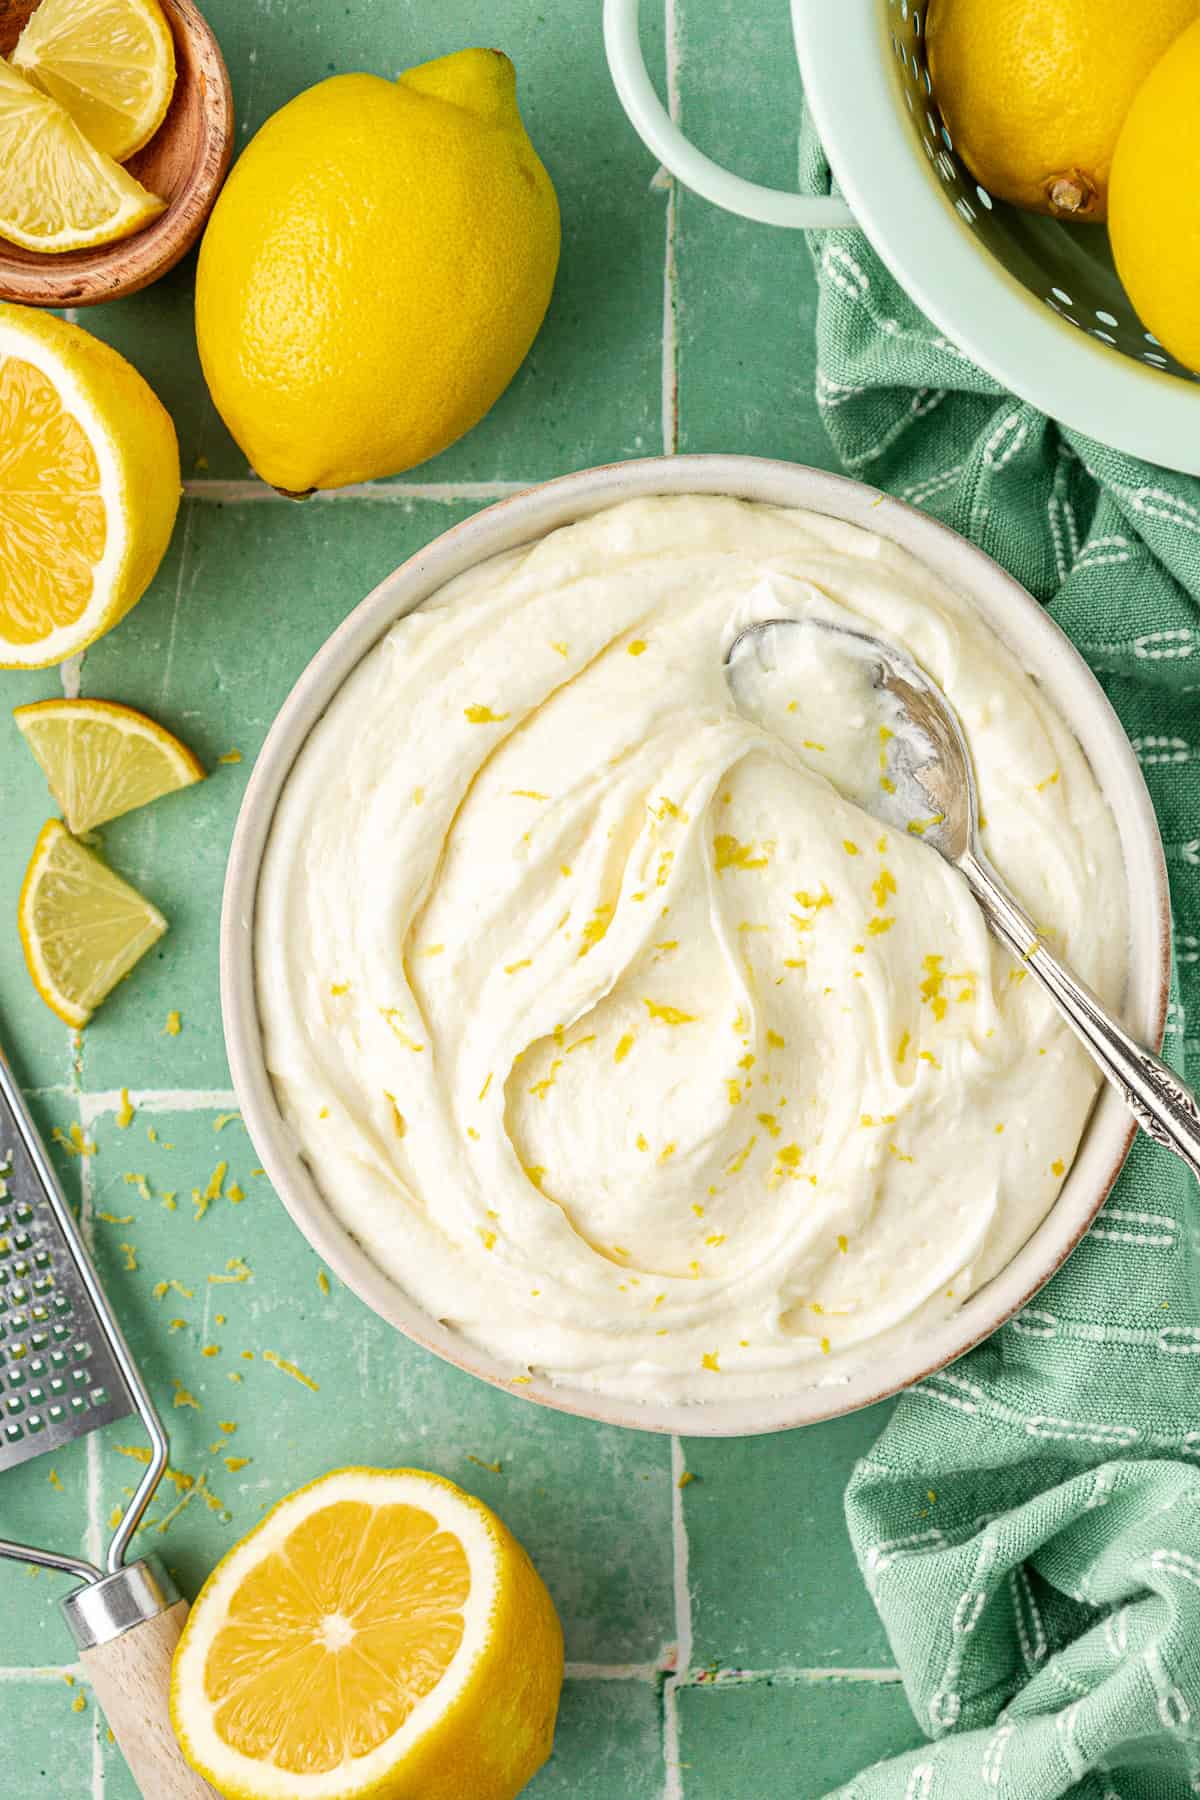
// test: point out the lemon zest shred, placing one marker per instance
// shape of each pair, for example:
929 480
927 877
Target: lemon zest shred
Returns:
730 854
289 1368
668 1015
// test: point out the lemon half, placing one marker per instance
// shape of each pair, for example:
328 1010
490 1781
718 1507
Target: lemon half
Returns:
379 1634
89 487
103 759
82 927
111 63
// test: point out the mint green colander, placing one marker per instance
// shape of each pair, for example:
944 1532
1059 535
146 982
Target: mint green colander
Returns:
1035 302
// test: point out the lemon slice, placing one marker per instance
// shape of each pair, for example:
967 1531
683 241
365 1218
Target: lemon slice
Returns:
102 759
111 63
57 191
81 926
89 487
381 1634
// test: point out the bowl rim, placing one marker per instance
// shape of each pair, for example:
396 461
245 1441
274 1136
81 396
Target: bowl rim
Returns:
851 85
1018 621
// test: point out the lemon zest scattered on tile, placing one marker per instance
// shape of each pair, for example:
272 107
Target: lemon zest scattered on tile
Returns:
162 1288
289 1368
236 1271
174 1024
73 1141
125 1113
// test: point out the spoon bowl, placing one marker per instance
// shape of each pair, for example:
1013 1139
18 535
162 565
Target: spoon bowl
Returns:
926 782
922 781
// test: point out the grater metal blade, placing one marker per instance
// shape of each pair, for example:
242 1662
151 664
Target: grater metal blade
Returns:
59 1378
65 1368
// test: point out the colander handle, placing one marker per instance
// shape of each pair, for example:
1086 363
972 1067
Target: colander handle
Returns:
659 132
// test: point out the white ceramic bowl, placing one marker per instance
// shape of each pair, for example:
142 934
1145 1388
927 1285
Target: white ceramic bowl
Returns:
1013 615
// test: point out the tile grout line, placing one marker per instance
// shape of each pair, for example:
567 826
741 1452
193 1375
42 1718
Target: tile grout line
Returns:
110 1100
169 658
670 347
672 1768
235 492
70 672
648 1673
672 1771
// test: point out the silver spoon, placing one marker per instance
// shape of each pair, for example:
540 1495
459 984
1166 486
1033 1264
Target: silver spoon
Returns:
932 786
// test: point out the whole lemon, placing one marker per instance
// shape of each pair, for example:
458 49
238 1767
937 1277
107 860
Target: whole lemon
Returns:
1154 201
375 271
1034 92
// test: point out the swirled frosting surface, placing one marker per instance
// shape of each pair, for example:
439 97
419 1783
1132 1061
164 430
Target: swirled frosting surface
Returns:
618 1034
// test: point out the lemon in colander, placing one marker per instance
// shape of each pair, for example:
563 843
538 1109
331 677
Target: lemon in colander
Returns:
1035 92
1154 208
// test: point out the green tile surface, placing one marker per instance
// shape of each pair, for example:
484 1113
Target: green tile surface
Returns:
766 1739
673 326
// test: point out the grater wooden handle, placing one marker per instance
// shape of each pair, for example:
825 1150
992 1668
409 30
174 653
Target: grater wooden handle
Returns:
131 1679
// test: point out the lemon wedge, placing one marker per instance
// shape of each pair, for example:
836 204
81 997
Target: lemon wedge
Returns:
379 1634
57 191
111 63
81 926
103 759
89 487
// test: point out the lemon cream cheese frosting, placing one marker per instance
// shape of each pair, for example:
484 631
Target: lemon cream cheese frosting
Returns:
618 1034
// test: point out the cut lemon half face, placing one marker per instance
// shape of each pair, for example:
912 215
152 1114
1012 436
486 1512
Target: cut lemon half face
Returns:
103 759
57 191
110 63
89 487
379 1634
81 926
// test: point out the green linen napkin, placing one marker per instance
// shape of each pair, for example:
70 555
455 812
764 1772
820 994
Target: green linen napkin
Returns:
1029 1522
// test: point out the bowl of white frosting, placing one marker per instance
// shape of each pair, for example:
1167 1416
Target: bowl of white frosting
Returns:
591 1030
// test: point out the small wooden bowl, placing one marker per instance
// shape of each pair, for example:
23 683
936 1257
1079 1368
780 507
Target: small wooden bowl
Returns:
184 162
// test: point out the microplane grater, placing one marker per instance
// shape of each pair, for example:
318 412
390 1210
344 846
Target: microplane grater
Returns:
65 1370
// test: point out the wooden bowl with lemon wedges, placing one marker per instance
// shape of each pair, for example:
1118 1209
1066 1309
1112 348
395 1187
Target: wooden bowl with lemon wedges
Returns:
137 155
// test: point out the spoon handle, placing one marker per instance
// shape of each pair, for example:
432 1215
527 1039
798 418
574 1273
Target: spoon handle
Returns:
1163 1106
